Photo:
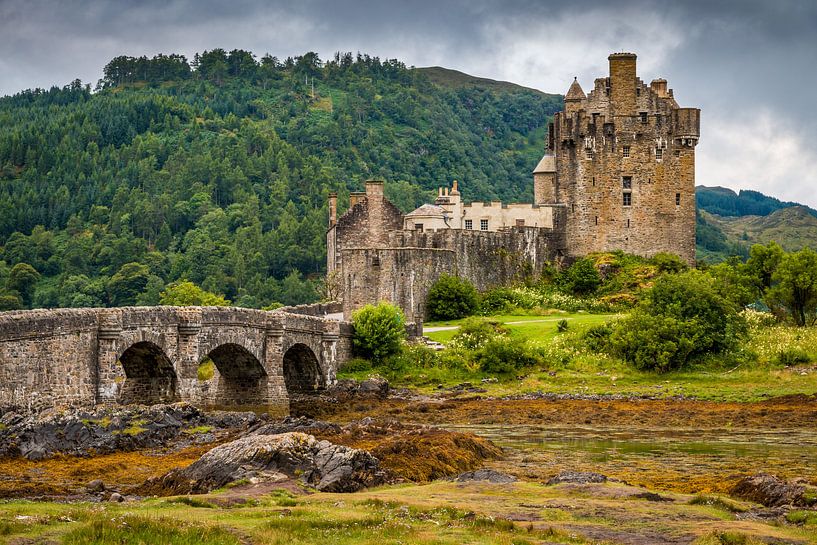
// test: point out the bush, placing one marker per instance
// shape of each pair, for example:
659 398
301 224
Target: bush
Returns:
499 300
792 356
501 355
451 298
561 326
474 332
681 317
597 337
379 331
581 278
668 263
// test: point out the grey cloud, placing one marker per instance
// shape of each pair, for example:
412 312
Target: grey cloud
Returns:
749 64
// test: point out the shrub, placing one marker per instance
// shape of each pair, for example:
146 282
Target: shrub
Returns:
451 298
501 355
681 317
499 300
357 365
379 331
597 337
474 332
561 326
669 263
581 278
792 356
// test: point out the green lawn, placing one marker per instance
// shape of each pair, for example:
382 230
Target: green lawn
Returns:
534 328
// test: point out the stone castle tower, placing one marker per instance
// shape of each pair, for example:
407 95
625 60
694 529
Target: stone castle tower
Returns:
622 160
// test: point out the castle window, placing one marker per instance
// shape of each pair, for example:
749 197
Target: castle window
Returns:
643 117
659 154
469 224
627 182
483 225
573 207
597 220
418 227
677 199
628 199
520 223
677 153
625 151
376 261
594 181
628 224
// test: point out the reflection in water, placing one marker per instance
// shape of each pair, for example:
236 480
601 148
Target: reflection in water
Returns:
685 460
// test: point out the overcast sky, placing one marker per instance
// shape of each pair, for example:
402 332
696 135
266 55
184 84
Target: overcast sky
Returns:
750 65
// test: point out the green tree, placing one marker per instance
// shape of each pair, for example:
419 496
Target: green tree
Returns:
451 297
184 293
379 331
23 279
795 286
128 282
10 301
581 278
763 262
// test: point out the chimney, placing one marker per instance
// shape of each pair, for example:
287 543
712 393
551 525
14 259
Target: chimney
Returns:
659 86
333 209
355 197
374 189
622 83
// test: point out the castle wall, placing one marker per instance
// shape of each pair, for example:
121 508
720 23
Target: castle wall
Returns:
403 271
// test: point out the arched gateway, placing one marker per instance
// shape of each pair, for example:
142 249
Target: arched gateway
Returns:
85 357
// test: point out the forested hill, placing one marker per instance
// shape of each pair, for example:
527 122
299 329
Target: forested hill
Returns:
217 170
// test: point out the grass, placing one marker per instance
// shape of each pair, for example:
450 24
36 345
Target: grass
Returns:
754 374
439 513
198 430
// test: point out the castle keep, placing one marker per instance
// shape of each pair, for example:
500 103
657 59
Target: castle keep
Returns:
618 174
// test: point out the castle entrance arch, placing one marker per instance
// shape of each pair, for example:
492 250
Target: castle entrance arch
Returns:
149 375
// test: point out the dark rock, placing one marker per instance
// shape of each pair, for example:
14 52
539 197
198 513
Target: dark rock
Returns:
374 387
95 486
486 475
116 497
577 477
768 490
300 424
651 496
272 458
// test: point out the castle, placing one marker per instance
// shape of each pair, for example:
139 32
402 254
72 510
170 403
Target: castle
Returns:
618 174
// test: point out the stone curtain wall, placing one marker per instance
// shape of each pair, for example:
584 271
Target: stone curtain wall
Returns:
83 357
403 272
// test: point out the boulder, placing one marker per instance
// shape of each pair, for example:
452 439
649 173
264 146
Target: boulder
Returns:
95 486
768 490
485 475
264 458
577 477
374 387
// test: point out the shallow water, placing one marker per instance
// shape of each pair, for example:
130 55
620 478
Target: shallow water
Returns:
686 460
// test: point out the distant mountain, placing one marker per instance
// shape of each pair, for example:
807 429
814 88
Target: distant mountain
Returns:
445 77
730 223
725 202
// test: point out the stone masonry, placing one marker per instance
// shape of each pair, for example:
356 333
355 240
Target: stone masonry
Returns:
85 357
619 174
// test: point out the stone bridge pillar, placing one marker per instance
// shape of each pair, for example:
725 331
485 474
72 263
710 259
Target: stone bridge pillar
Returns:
187 365
278 398
329 356
110 374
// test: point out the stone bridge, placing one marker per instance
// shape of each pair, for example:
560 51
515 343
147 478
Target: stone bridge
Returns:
86 357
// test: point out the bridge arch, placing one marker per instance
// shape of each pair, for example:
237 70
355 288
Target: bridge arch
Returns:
240 378
149 375
302 370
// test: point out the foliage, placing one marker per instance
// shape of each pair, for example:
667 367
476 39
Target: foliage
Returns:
725 202
666 262
795 286
763 262
474 332
379 331
561 326
501 355
682 317
185 293
22 279
216 169
451 298
581 278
